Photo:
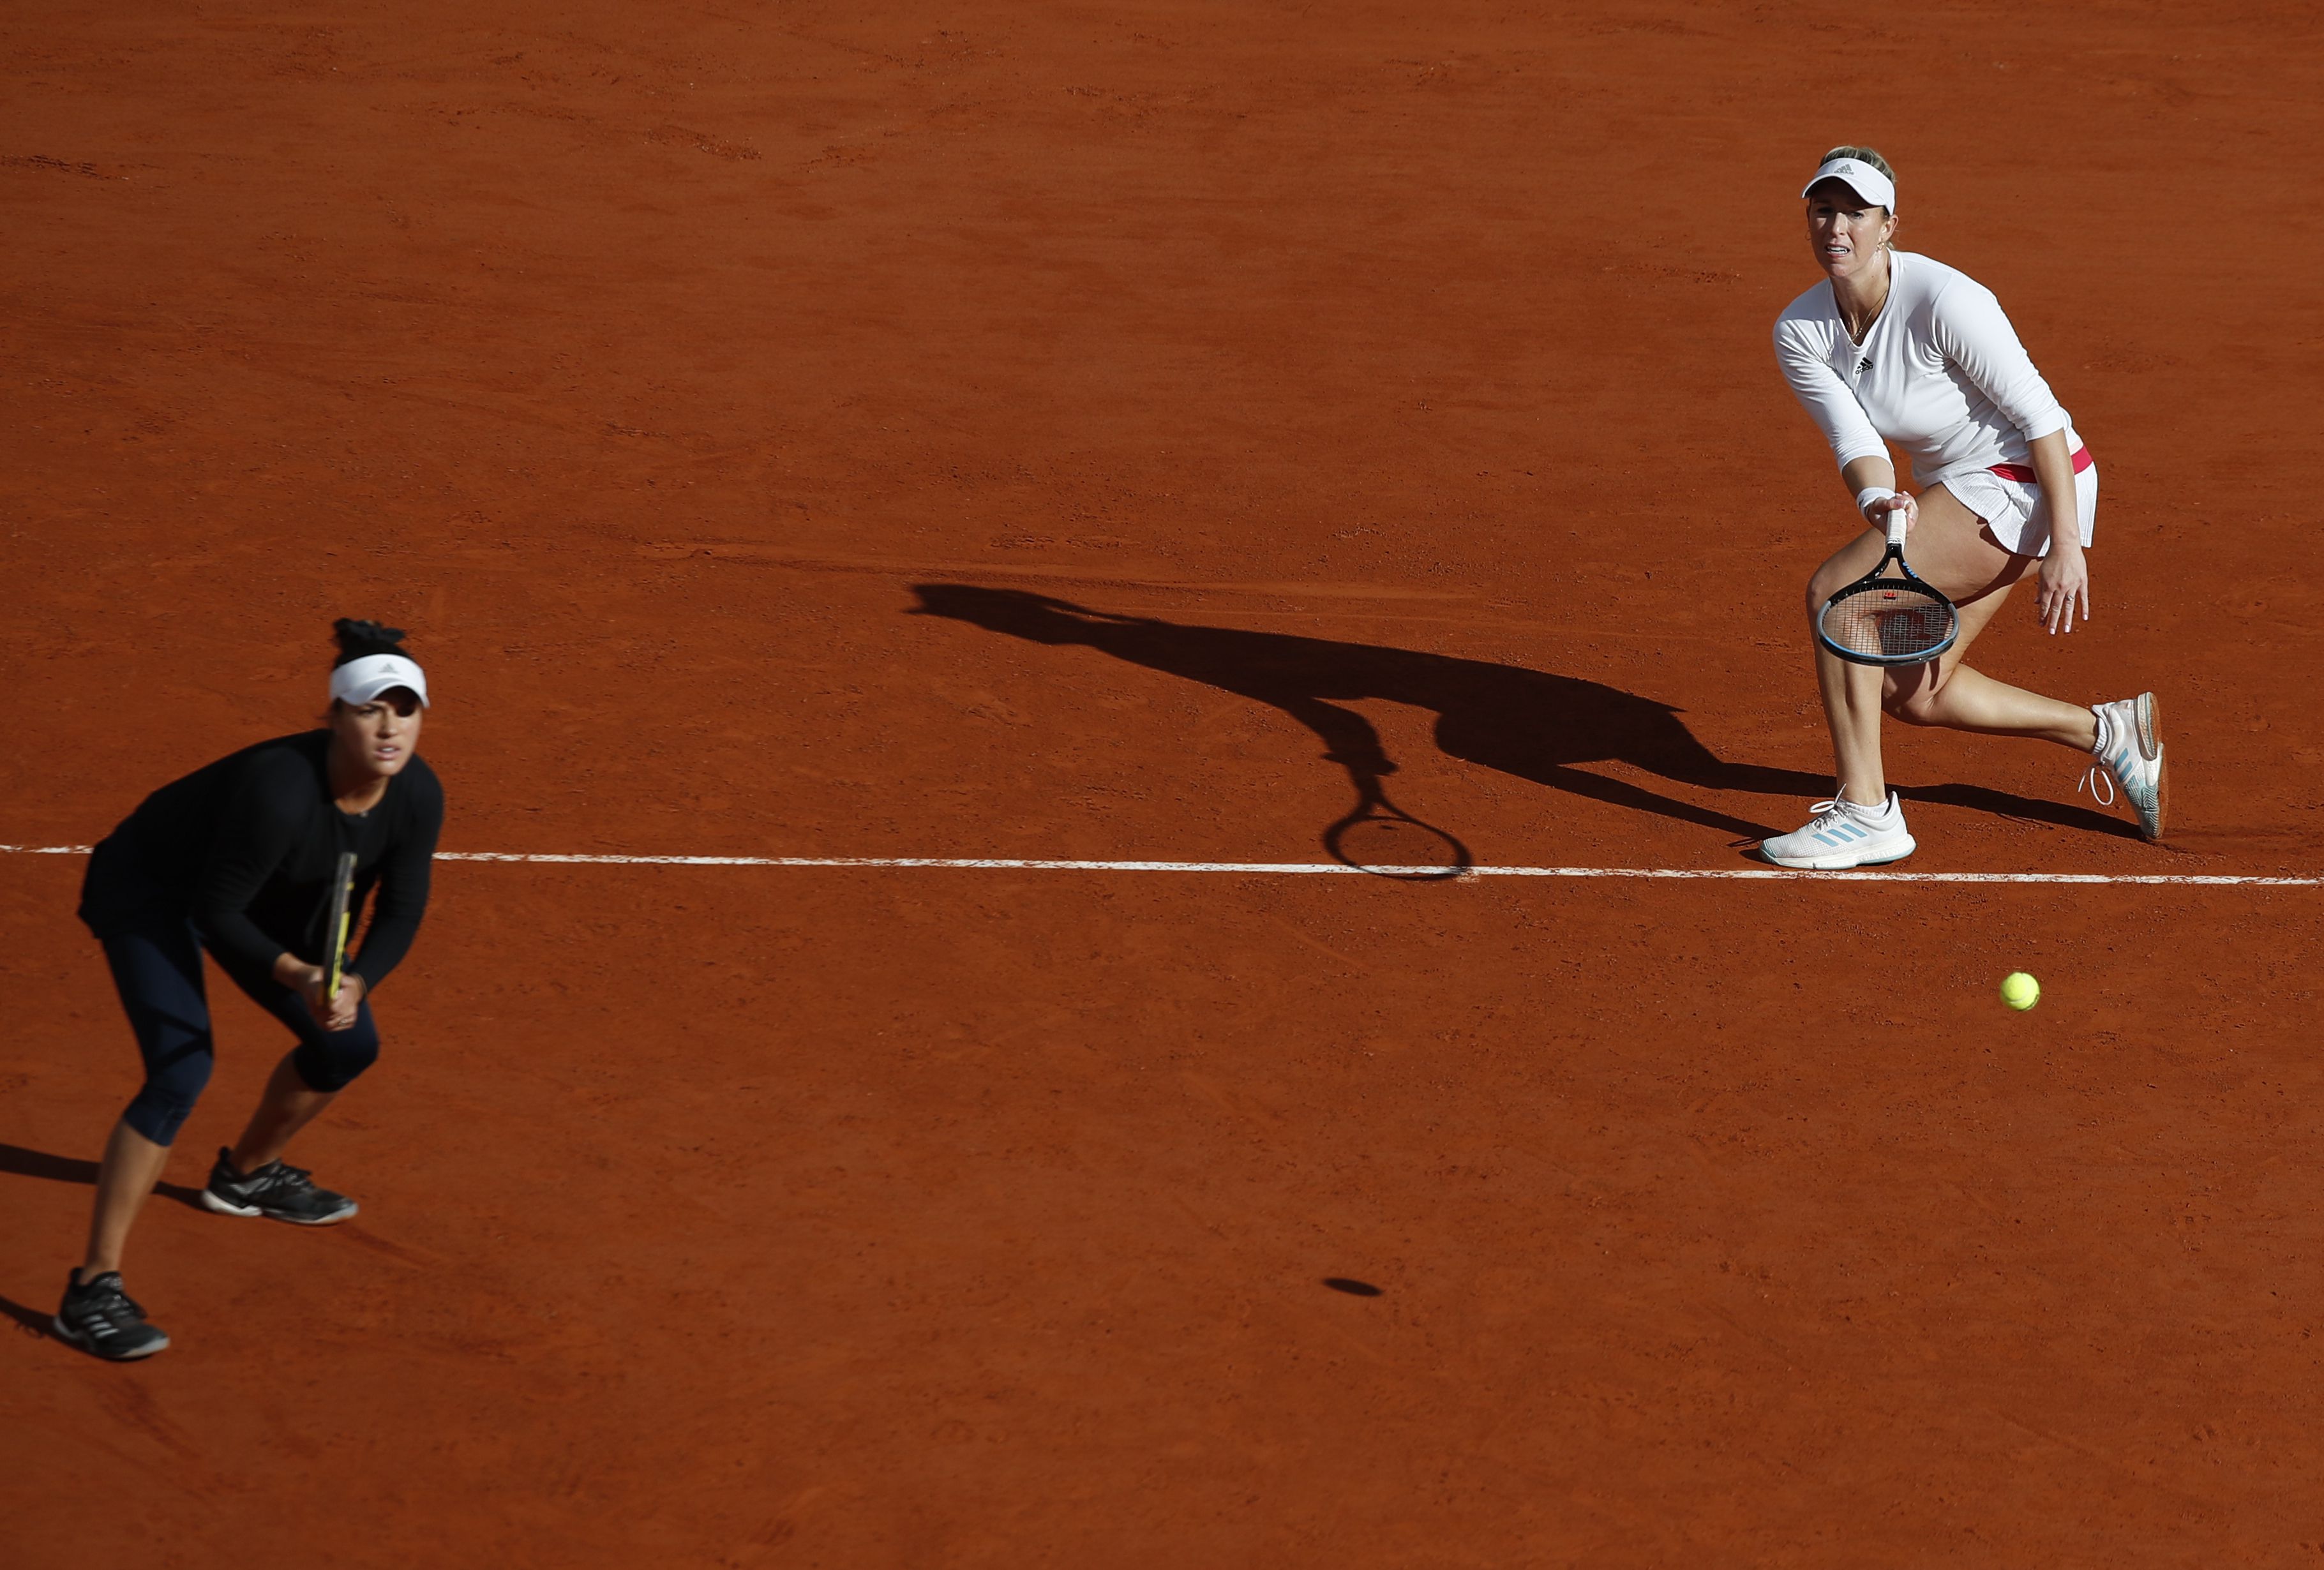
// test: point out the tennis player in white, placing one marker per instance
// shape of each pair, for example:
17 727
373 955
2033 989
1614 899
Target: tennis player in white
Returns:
1894 348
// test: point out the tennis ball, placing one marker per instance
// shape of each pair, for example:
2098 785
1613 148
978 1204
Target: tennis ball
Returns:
2020 990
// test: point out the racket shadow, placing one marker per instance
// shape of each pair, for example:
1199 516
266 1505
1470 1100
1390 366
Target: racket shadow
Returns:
1533 725
1383 839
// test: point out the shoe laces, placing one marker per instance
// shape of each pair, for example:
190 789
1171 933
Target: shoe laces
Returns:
286 1176
276 1176
1824 812
112 1301
2099 781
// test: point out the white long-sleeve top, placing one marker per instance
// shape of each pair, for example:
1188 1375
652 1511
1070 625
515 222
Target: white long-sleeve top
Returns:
1941 374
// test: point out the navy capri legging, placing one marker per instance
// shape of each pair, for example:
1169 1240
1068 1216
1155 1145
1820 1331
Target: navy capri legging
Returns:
157 964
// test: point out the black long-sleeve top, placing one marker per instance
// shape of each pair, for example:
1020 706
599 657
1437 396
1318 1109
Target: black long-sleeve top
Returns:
246 848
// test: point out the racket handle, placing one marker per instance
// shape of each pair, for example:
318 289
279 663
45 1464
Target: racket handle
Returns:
1897 524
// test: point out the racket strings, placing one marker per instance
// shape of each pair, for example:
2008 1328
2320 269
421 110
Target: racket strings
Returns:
1890 620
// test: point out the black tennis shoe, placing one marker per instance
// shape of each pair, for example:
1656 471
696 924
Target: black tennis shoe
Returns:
99 1317
275 1190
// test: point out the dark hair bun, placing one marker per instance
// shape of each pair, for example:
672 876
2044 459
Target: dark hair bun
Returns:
357 639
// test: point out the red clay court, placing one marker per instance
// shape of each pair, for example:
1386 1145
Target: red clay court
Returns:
1061 432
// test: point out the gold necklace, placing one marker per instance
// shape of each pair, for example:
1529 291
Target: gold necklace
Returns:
1856 333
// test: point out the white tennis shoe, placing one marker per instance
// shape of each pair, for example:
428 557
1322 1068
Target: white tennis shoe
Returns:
2129 753
1844 835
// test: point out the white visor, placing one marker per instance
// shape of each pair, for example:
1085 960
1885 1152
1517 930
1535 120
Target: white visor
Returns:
1860 177
361 680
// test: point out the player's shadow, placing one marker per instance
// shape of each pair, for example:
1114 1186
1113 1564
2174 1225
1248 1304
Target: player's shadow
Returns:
1526 722
29 1321
18 1161
23 1163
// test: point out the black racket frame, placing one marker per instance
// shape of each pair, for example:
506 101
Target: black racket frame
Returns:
1872 581
334 934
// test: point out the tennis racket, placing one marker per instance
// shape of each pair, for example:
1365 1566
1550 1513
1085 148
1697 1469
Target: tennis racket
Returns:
343 894
1888 621
1383 839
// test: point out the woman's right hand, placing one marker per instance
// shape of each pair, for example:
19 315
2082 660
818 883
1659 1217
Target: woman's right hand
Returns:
308 982
1877 514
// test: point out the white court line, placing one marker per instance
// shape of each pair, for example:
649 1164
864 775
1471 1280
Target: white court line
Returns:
1293 869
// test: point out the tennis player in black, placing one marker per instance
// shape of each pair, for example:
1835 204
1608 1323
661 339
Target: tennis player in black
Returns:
238 858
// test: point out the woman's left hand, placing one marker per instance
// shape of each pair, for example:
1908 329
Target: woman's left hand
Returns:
2064 583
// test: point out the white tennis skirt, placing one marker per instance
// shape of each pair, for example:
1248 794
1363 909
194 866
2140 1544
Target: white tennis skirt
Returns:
2011 503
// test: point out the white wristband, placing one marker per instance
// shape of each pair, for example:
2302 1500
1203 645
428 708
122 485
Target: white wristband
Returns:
1869 494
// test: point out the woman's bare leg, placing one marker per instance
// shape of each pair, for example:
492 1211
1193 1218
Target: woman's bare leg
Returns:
1851 692
288 1105
1963 699
131 1166
1852 708
1951 548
